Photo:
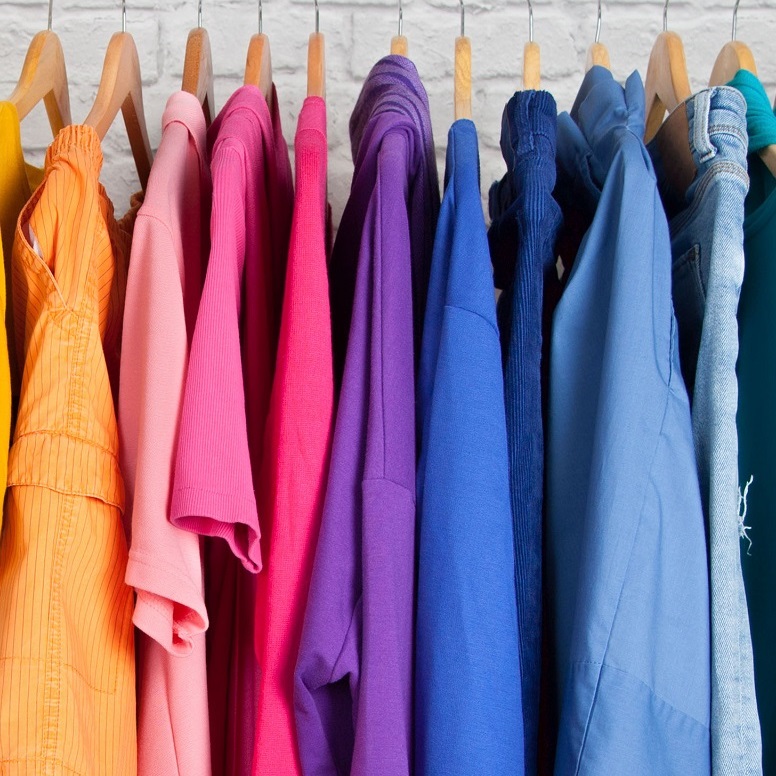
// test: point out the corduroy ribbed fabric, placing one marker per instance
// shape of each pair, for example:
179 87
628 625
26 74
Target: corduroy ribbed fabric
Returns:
167 265
468 708
226 402
525 221
353 683
296 451
67 659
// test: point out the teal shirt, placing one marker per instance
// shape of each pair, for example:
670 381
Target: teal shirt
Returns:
757 404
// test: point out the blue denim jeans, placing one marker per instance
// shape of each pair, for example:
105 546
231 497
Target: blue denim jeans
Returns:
706 225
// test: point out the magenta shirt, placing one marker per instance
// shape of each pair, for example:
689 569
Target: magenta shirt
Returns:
227 400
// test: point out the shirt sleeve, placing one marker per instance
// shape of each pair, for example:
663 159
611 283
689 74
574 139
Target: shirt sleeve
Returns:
213 493
164 566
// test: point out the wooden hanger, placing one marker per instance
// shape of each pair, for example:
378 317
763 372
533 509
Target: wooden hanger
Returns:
198 67
597 54
258 63
733 57
121 89
316 61
44 77
399 44
532 71
667 83
462 89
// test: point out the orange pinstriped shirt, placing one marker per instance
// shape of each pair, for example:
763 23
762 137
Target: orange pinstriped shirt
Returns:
67 675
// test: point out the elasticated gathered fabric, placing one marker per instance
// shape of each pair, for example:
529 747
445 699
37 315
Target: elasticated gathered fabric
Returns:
525 222
353 680
756 412
468 708
626 543
707 243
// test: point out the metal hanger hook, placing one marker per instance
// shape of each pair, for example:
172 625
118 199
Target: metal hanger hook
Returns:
665 16
530 22
199 14
123 15
261 19
463 18
50 14
735 20
317 17
598 24
401 20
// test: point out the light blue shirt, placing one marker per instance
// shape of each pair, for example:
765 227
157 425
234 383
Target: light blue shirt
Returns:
468 708
626 547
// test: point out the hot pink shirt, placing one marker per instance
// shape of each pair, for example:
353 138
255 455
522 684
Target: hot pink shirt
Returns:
165 566
227 400
296 451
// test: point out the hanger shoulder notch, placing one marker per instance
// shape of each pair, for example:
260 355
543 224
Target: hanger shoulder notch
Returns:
733 57
667 83
121 89
44 77
198 70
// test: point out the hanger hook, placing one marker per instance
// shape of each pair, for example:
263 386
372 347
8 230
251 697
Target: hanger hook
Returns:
317 17
261 19
463 18
530 22
401 20
598 24
735 19
665 16
50 14
199 14
123 15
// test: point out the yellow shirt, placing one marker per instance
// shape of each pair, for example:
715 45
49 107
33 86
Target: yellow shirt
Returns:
67 671
17 182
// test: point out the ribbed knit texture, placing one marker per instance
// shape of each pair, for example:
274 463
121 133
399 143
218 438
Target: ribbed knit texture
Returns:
525 221
67 668
169 252
353 684
227 400
296 451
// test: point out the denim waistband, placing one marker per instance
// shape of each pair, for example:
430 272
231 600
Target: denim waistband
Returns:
717 139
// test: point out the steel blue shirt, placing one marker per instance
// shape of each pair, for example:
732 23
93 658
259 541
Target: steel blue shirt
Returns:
626 547
468 709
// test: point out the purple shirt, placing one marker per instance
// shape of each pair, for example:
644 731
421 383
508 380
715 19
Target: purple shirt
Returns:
353 683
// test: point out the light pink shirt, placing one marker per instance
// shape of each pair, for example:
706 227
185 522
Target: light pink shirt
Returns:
169 251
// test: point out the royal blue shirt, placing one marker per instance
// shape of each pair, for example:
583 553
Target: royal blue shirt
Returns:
468 711
628 580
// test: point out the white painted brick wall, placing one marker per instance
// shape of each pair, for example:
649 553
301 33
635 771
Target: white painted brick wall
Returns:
358 32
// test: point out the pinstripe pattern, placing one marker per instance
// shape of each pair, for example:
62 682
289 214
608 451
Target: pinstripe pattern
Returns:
67 688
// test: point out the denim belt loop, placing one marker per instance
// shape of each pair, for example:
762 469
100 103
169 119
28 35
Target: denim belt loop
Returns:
701 139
